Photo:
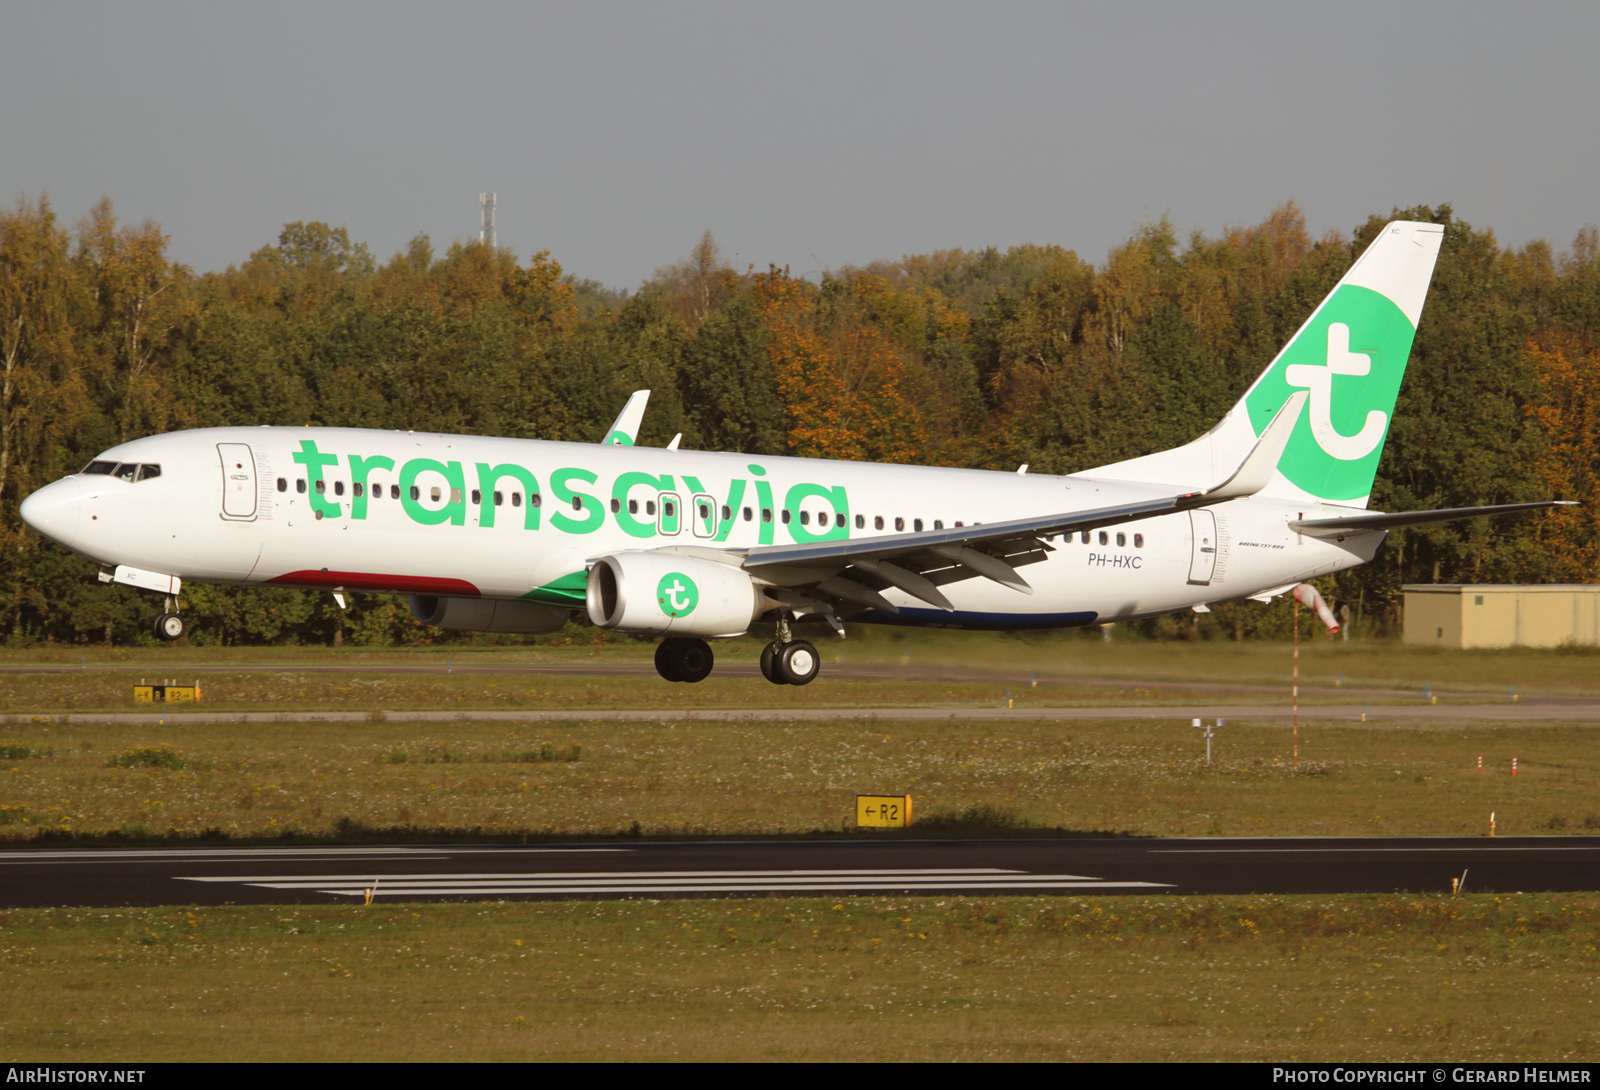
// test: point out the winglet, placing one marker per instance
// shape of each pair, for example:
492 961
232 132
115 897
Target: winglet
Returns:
625 428
1256 470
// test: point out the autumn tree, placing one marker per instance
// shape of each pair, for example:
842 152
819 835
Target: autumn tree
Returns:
138 314
1567 408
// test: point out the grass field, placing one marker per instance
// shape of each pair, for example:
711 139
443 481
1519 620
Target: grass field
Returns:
1116 978
699 777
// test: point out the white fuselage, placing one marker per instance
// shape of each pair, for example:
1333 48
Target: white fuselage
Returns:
416 513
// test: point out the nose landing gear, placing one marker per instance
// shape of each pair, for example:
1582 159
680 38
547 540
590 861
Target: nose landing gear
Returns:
169 626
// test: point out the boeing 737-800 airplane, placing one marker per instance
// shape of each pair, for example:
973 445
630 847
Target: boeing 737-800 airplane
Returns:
513 535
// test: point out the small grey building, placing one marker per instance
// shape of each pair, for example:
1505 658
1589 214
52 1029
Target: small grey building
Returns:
1501 614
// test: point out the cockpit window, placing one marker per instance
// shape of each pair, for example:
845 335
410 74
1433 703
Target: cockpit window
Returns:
127 471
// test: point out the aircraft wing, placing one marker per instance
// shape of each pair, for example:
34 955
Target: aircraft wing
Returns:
919 563
1388 521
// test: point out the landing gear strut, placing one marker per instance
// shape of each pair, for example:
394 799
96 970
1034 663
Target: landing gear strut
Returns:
169 626
788 662
679 659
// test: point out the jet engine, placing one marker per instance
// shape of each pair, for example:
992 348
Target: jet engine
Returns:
654 593
488 614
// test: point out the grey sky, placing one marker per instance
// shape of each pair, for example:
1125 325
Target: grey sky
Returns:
811 135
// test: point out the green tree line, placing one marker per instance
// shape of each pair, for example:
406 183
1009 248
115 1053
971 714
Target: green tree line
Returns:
975 358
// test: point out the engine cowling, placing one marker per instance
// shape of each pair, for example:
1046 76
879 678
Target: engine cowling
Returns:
488 614
656 593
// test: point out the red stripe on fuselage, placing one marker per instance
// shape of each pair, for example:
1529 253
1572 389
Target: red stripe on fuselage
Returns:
362 580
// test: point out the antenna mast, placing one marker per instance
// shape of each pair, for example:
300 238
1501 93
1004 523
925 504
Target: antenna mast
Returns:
486 234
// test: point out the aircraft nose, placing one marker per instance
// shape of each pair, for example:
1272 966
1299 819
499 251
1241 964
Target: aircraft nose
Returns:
54 510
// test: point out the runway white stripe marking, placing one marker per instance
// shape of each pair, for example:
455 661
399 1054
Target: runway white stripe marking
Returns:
603 876
663 882
773 887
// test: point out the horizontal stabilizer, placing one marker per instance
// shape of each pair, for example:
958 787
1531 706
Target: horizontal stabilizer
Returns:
1394 519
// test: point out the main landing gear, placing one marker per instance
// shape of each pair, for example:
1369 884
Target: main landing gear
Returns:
169 626
679 659
784 661
789 662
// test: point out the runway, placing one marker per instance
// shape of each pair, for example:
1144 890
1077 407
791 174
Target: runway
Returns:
841 868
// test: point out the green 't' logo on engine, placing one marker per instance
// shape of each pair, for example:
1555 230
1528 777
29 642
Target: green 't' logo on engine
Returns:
1350 358
677 594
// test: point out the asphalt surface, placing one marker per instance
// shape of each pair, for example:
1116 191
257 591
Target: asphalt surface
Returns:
857 867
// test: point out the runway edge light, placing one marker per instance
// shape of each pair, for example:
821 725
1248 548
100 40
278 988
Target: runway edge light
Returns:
883 811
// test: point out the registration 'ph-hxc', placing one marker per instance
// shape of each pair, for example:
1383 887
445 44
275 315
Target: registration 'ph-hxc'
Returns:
514 535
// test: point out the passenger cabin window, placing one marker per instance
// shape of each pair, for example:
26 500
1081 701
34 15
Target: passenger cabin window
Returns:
416 492
394 491
748 514
283 484
633 507
477 496
786 516
916 524
534 499
358 488
877 522
1085 537
1138 541
727 513
899 523
338 488
861 522
516 499
1104 538
300 485
616 506
1122 540
322 487
499 499
805 518
766 514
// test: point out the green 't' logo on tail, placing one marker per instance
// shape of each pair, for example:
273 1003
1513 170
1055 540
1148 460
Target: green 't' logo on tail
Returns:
1350 356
